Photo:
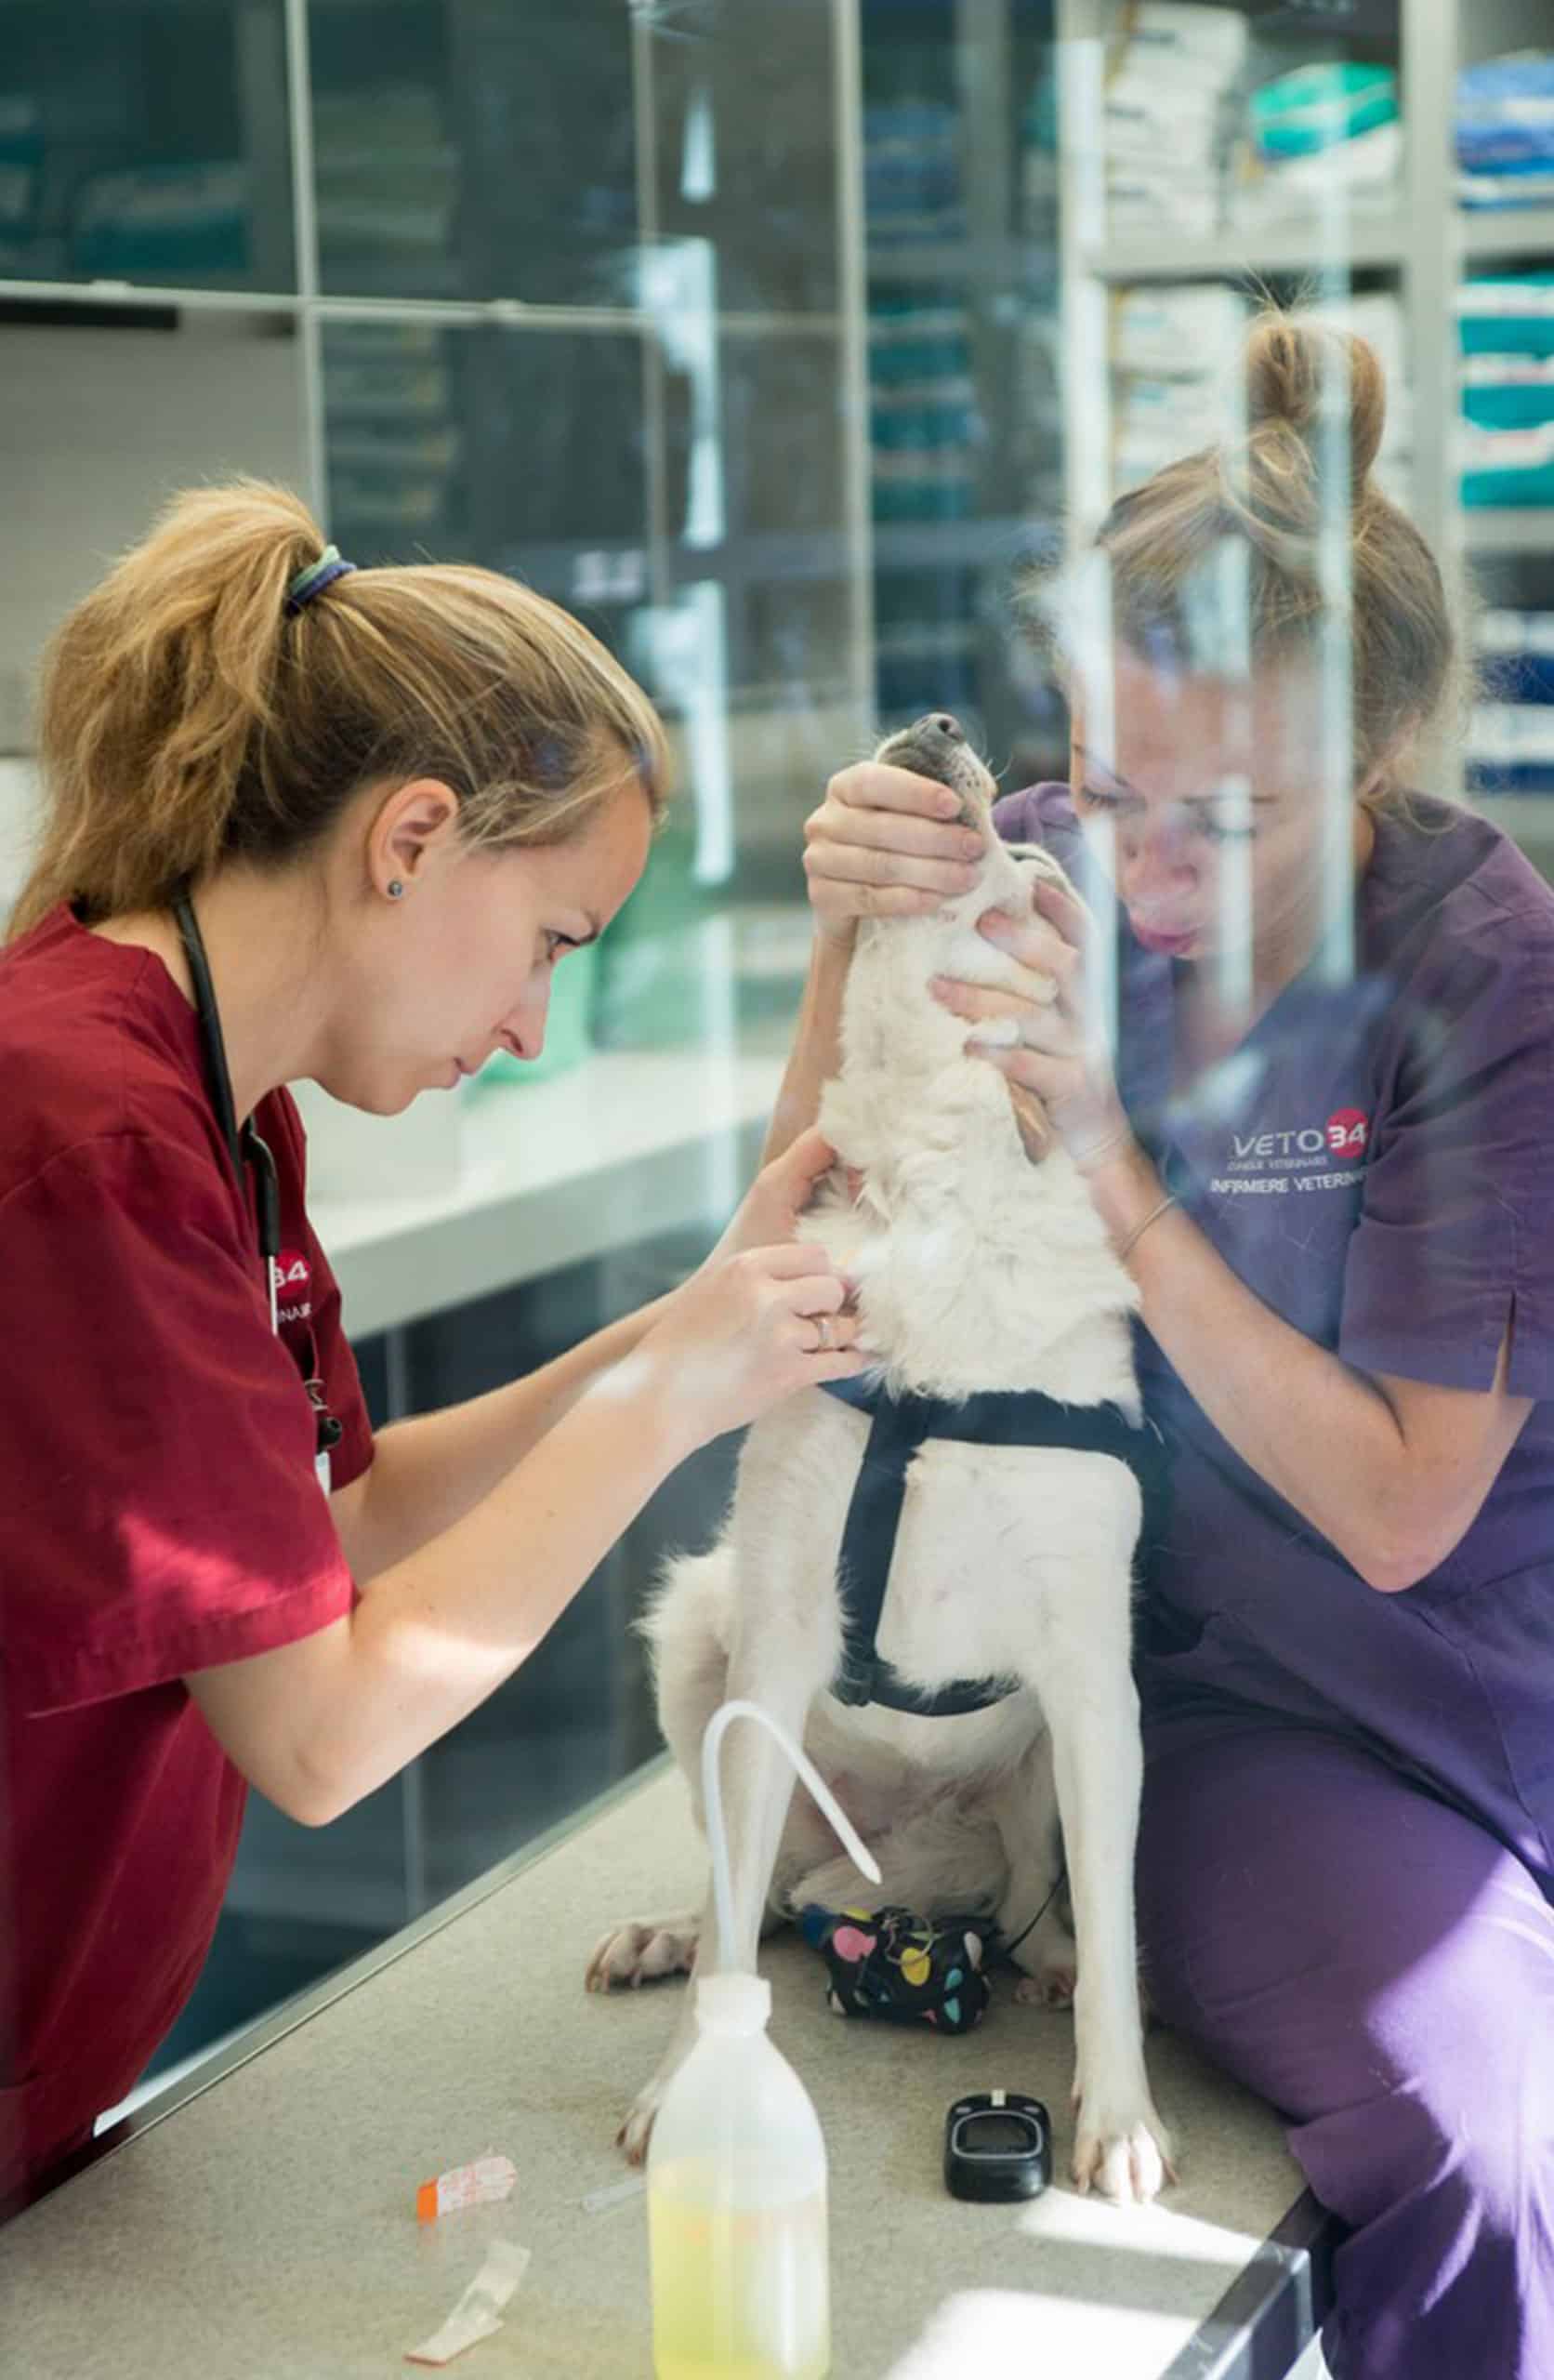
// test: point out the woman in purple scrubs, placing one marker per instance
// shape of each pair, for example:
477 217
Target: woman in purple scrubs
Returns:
1321 1127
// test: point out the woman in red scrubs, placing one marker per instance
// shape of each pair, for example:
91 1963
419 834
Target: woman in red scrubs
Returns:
304 821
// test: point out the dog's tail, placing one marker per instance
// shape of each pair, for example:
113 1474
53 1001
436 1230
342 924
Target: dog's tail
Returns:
692 1594
688 1624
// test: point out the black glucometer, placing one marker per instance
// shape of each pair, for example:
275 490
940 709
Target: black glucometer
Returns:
997 2145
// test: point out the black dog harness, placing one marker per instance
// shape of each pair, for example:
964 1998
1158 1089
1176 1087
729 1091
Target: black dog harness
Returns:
899 1426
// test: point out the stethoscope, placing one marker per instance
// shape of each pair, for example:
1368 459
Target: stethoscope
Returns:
246 1147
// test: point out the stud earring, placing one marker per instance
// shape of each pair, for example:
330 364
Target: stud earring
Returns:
396 890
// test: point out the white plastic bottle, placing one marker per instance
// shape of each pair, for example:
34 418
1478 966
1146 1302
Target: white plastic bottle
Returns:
736 2204
736 2166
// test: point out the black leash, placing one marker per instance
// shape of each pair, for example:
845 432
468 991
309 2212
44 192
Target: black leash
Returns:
1008 1948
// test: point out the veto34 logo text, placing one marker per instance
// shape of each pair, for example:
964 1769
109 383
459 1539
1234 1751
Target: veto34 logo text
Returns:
1299 1157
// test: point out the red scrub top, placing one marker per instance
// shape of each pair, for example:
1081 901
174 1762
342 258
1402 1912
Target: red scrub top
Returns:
160 1511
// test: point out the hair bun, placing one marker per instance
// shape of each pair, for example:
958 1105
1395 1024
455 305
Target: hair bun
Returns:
1288 362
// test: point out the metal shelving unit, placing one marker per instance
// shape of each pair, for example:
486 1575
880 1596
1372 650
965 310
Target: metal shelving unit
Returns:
1488 530
944 585
274 42
1250 251
1521 231
1421 244
1375 241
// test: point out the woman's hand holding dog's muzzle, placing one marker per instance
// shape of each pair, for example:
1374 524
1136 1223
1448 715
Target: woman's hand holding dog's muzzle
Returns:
884 844
1048 1041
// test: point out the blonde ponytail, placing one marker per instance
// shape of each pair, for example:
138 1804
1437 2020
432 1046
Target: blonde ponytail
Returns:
185 719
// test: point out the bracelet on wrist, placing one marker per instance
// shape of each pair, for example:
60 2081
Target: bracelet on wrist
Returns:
1137 1233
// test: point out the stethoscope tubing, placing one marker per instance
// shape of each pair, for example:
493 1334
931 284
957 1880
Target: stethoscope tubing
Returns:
250 1153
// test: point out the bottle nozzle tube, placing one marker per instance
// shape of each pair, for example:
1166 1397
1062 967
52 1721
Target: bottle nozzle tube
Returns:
712 1795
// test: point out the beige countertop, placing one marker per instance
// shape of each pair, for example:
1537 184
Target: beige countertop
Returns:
265 2228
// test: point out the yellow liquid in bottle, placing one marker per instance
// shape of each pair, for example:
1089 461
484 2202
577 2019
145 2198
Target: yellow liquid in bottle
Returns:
739 2293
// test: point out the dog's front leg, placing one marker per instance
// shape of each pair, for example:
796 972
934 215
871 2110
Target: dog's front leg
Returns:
1031 1915
758 1789
1120 2144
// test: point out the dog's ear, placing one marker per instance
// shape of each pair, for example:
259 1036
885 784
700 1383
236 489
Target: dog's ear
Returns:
1037 1135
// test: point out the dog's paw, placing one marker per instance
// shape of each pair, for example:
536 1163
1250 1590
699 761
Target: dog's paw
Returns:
642 1951
637 2131
1126 2157
1053 1988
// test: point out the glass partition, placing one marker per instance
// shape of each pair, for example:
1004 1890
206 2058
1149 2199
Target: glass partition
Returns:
147 142
805 353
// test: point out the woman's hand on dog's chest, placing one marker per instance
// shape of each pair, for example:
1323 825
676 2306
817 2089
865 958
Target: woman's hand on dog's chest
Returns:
740 1335
782 1192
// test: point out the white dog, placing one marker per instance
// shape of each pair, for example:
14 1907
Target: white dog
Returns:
976 1270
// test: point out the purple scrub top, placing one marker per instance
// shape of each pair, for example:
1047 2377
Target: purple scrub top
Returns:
1377 1161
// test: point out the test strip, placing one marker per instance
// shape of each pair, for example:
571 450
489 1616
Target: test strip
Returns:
614 2194
482 2184
479 2311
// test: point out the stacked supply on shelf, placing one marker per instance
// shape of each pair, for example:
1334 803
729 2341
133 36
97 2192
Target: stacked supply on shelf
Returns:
62 214
1169 115
1511 739
923 432
1039 178
24 245
925 644
1188 147
392 439
924 421
1176 350
1505 131
180 222
388 181
912 172
1032 439
1506 435
1323 136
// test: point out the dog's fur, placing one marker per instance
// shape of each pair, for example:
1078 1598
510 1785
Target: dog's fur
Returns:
975 1269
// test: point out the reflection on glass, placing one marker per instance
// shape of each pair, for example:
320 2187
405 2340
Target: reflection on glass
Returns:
1328 1040
475 150
678 287
685 648
750 649
523 451
149 145
958 138
742 103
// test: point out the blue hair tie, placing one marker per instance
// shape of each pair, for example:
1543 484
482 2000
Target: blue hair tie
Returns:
315 579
